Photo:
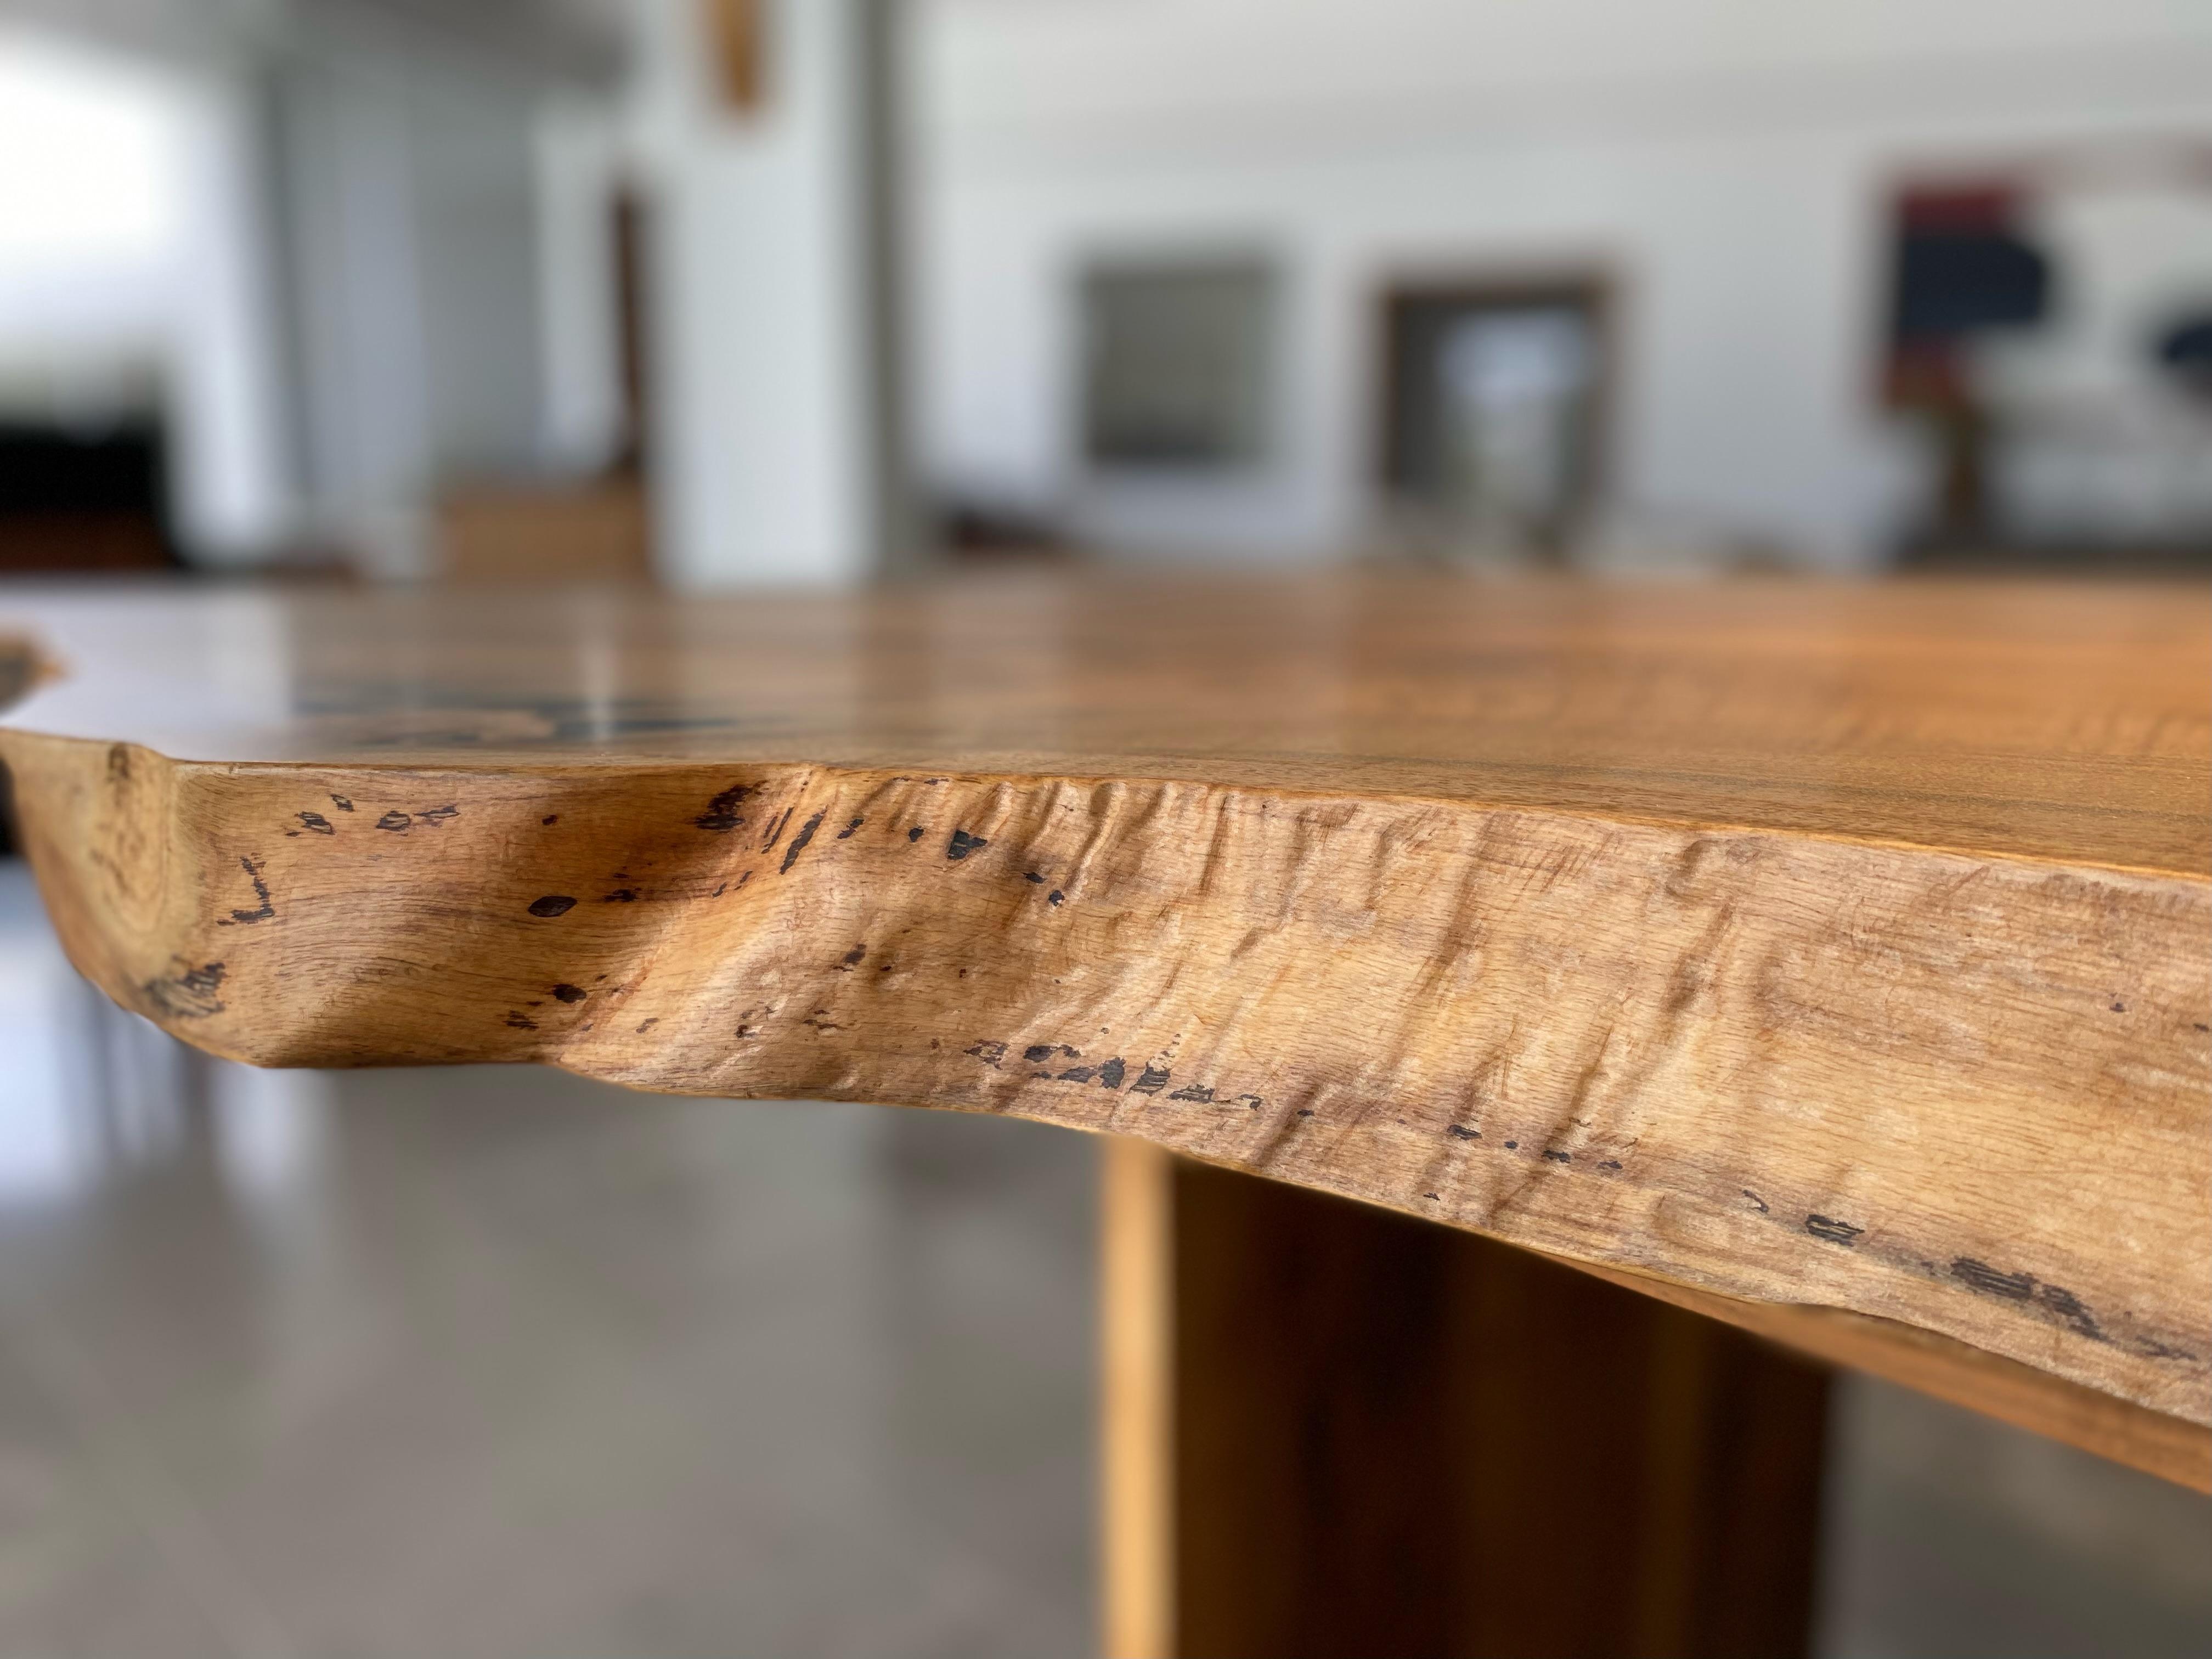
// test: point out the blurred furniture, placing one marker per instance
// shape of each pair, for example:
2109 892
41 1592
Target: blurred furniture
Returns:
80 501
1962 267
594 531
1826 959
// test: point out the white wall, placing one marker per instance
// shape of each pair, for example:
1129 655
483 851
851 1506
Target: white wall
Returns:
581 168
1728 159
408 182
762 469
130 266
237 502
91 207
318 248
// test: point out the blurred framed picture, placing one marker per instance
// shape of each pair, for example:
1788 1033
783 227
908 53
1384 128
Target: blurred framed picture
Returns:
1177 363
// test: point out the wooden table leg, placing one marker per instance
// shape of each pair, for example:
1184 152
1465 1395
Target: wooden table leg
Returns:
1332 1430
1136 1303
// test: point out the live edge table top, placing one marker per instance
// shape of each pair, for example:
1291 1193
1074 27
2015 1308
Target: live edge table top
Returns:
1803 952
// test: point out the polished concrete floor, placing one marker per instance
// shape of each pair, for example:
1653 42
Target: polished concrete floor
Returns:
500 1362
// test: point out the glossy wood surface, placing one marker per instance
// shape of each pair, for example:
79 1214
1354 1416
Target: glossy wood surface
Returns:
2056 721
1787 944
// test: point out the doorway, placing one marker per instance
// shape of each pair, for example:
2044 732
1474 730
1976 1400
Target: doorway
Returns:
1495 398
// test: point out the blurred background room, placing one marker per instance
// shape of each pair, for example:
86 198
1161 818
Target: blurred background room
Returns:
719 294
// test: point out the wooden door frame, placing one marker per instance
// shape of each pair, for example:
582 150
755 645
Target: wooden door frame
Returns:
1597 285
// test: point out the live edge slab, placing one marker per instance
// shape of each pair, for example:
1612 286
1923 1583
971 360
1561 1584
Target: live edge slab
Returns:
1833 959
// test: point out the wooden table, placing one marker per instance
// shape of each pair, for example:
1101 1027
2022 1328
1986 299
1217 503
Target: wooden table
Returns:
1834 960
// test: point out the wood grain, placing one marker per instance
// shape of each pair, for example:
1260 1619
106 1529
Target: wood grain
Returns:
1842 946
1391 1438
1136 1440
2151 1441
